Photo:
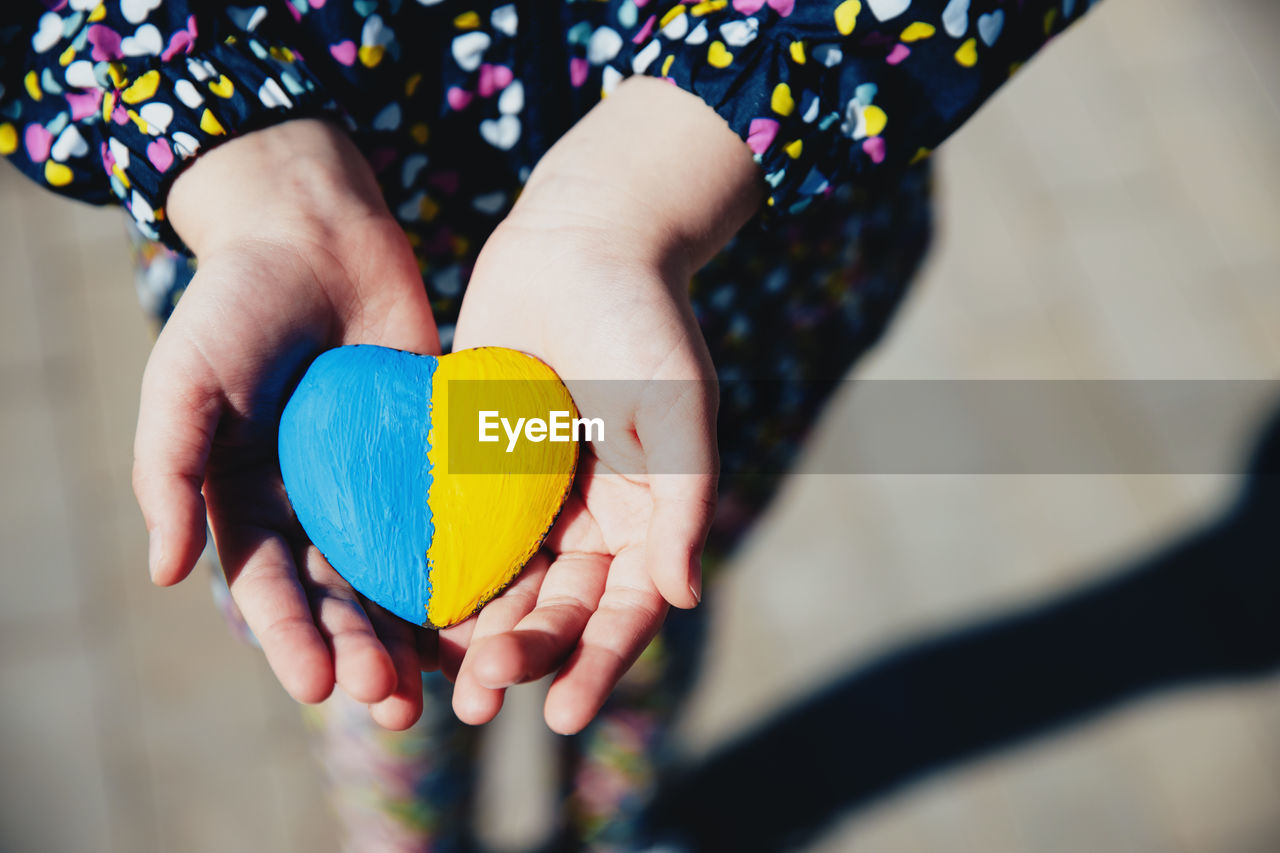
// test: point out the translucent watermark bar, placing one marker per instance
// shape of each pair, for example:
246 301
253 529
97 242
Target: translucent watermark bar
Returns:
880 426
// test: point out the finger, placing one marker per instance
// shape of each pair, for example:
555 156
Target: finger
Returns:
680 453
473 702
541 640
264 584
362 665
395 310
627 619
403 707
683 507
453 644
177 415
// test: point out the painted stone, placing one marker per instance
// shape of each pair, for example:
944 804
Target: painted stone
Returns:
398 490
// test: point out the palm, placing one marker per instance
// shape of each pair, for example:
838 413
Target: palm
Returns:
587 606
216 388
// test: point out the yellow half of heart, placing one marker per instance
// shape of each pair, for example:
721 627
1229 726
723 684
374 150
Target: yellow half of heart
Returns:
487 501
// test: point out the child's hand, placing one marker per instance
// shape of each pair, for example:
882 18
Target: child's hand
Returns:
297 254
590 273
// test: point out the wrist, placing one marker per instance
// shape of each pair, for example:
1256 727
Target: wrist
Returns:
654 163
301 179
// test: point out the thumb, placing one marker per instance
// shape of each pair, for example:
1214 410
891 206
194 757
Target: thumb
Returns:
177 415
679 441
393 307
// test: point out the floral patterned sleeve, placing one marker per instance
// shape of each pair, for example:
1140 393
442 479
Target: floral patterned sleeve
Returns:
834 90
108 100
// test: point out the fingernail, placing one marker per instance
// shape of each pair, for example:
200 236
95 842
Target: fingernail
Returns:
155 552
695 579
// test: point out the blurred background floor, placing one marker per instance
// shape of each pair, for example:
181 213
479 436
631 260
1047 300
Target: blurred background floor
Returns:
1115 213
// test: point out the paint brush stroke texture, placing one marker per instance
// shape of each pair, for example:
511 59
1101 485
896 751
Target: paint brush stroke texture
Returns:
415 518
353 455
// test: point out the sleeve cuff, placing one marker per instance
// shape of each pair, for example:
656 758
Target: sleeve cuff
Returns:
763 80
830 92
158 122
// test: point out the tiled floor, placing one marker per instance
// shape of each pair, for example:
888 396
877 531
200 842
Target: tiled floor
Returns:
1114 214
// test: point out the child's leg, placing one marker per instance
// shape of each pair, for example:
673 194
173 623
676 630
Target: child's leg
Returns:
398 791
390 791
613 766
785 313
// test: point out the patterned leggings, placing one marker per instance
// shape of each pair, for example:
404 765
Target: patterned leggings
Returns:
785 312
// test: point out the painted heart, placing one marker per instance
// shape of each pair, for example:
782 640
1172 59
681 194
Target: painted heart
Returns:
381 457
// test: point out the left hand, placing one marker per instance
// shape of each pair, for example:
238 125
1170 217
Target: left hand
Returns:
590 273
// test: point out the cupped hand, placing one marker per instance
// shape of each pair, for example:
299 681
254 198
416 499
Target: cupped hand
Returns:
590 273
297 253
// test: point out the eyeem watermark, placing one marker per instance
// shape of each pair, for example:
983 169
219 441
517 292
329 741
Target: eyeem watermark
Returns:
559 426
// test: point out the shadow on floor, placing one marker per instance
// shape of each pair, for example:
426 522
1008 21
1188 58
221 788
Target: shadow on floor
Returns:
1204 608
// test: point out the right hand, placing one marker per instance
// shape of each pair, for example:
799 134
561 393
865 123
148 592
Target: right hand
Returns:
297 254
